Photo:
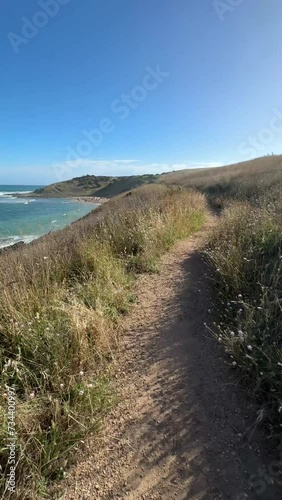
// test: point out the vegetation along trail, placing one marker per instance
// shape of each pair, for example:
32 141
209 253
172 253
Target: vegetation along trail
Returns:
183 428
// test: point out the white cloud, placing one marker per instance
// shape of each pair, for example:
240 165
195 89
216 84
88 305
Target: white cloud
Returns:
67 170
211 164
76 168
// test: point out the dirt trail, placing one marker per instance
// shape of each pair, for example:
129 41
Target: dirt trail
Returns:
181 429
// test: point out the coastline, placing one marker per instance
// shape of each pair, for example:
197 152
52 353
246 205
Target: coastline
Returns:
22 241
82 199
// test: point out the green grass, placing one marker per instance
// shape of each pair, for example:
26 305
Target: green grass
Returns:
60 321
91 185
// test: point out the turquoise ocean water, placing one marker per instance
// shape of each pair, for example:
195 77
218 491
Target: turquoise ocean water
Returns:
25 219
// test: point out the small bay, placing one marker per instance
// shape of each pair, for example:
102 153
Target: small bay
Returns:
25 219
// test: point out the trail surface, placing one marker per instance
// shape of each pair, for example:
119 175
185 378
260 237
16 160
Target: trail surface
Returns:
183 429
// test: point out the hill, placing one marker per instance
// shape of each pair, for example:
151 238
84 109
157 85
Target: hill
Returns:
238 179
91 185
263 171
71 290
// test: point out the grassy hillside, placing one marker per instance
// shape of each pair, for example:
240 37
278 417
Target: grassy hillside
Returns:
60 320
239 180
245 253
70 289
90 185
254 179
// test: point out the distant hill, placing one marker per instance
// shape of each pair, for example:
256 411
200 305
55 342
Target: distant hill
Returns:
91 185
266 170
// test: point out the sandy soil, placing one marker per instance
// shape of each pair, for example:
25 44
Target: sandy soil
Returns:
183 428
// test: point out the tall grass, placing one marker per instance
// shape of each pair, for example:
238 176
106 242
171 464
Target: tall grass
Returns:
245 251
60 312
258 181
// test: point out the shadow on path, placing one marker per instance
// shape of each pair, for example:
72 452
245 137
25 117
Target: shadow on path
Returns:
188 437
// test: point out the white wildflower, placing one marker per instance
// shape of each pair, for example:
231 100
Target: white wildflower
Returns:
81 393
249 347
81 373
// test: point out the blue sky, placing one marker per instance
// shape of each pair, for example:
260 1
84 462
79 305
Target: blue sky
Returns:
134 86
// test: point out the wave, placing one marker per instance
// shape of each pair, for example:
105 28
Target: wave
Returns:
9 194
8 241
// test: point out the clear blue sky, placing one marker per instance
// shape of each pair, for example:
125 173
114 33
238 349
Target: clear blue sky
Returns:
224 83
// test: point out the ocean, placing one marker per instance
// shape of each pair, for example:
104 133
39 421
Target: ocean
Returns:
25 219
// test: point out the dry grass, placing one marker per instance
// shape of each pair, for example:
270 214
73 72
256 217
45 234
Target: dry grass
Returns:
60 322
251 180
245 252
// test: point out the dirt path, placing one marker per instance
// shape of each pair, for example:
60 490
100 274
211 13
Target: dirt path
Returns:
181 429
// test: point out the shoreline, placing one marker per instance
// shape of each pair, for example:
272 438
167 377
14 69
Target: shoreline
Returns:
82 199
94 200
